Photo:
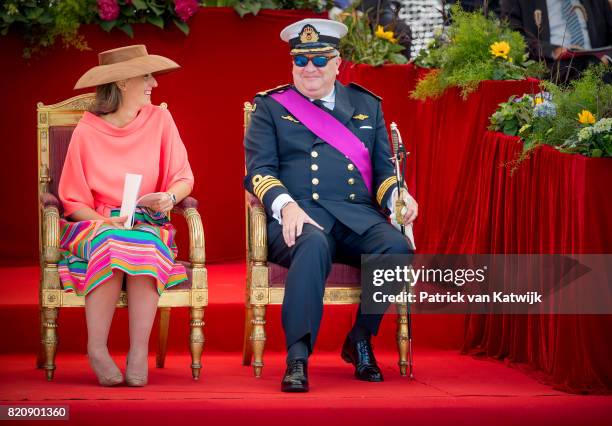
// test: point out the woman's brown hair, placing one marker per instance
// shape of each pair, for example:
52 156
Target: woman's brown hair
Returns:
108 99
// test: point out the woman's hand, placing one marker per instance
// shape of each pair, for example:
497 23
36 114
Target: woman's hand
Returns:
117 222
159 202
163 204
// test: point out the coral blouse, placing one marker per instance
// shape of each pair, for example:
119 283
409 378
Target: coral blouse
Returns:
100 155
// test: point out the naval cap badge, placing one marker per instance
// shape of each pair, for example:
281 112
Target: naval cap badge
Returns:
309 34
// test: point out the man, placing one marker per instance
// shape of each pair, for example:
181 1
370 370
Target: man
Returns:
552 27
318 158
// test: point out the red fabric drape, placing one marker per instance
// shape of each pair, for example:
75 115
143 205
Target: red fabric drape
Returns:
548 203
470 202
553 203
225 61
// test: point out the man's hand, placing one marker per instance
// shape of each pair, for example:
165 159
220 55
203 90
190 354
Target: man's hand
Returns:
560 52
294 218
411 209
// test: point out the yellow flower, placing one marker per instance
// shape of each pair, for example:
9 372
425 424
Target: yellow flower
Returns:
586 117
538 100
500 49
385 35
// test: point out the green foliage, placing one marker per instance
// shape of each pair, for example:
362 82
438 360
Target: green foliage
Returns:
592 141
587 93
362 45
429 86
245 7
431 56
42 22
464 55
512 115
160 13
555 121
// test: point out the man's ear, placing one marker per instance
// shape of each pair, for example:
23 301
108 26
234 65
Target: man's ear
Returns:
338 62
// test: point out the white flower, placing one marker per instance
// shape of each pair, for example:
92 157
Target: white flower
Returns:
585 133
603 126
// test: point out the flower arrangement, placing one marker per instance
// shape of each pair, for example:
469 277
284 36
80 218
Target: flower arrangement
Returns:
43 22
362 45
245 7
122 14
592 140
474 48
575 119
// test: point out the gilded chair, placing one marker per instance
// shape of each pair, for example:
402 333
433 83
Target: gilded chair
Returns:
265 285
55 125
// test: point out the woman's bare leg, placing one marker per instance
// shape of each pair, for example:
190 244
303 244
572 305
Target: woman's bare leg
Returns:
142 306
99 310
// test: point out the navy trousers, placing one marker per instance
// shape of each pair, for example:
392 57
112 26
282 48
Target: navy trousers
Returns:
309 262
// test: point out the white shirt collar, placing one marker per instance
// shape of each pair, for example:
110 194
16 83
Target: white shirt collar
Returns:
329 100
330 97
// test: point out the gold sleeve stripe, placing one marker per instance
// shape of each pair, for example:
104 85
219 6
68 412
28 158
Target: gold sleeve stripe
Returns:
260 194
261 185
384 187
264 184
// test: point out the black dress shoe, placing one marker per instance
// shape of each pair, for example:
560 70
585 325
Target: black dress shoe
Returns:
360 354
296 376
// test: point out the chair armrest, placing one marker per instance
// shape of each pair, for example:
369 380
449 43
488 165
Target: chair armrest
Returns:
50 233
49 200
252 200
188 209
257 234
187 203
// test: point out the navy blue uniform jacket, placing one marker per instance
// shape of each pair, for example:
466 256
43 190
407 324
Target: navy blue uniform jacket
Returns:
283 156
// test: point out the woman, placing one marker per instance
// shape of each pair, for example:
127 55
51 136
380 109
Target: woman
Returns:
123 133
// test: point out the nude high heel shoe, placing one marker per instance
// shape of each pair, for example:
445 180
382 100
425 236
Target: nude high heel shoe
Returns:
134 380
112 380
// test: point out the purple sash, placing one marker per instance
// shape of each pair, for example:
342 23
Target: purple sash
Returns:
329 129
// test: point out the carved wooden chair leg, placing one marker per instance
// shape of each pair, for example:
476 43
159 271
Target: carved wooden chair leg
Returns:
196 340
164 324
40 356
258 337
402 337
49 340
247 348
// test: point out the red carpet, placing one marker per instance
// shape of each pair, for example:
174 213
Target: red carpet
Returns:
449 388
224 319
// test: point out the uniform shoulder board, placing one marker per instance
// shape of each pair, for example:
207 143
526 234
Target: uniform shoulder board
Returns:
363 89
275 89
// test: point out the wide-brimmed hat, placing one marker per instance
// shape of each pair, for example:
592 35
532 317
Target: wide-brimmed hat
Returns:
313 35
123 63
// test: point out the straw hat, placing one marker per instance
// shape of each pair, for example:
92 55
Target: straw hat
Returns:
123 63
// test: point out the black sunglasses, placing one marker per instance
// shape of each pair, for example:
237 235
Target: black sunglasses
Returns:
318 61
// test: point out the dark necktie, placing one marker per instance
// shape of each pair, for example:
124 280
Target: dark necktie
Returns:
319 103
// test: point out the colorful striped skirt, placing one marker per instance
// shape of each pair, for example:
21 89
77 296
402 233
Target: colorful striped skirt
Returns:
92 250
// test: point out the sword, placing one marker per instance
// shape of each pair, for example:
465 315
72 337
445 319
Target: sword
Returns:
399 158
